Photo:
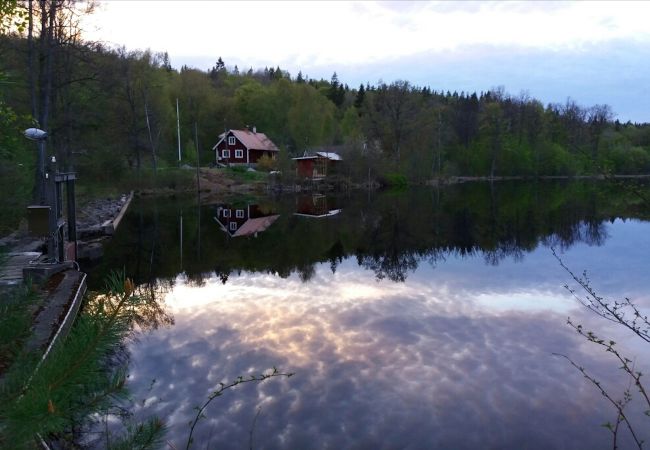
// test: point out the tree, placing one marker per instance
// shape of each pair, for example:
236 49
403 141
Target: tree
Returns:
218 72
391 117
12 16
335 92
310 118
599 117
493 124
360 97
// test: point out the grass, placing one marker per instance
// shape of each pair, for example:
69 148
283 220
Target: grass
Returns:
242 174
164 178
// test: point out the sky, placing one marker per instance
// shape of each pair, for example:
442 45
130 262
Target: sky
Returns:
592 52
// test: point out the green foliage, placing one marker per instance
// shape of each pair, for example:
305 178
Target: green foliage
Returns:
394 180
266 163
75 379
13 16
16 171
239 169
242 173
15 321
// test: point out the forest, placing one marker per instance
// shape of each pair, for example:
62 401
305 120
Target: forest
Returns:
111 114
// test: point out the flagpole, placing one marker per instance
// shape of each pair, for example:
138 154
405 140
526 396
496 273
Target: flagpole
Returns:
178 128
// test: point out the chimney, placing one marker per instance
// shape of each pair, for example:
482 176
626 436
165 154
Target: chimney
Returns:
254 129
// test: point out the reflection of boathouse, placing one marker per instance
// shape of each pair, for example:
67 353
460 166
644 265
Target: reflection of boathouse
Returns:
243 220
316 205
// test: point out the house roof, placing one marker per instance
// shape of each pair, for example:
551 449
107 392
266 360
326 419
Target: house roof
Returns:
250 227
331 212
251 140
257 225
328 155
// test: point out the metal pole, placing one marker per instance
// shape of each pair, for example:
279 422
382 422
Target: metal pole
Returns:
178 129
198 157
53 216
42 196
72 216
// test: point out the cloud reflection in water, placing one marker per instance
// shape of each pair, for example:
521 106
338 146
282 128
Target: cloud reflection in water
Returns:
422 364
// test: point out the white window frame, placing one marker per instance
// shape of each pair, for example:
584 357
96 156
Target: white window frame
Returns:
239 153
226 213
231 140
225 153
233 226
239 213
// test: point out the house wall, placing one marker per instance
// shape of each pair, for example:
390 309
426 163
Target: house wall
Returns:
252 158
223 145
305 167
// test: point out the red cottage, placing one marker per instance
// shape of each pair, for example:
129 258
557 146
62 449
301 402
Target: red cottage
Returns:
316 166
243 147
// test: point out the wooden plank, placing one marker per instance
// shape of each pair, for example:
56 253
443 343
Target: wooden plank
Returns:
12 271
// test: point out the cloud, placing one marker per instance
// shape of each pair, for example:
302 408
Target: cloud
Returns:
593 51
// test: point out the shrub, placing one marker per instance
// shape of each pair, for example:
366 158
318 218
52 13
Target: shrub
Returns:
394 180
266 163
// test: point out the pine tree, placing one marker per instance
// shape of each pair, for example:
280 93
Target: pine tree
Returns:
361 95
76 379
335 93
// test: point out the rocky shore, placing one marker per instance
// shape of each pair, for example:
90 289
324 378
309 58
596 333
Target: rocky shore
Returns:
96 222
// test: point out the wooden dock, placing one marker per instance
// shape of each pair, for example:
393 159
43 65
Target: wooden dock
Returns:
11 273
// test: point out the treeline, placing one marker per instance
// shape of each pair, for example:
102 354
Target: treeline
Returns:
108 110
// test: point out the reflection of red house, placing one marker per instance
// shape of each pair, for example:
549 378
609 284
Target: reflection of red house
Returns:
243 147
317 165
316 205
245 220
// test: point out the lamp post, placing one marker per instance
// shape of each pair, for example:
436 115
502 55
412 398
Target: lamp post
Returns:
38 135
47 192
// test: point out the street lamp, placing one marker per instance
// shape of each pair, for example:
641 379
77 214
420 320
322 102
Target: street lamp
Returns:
47 198
38 135
46 218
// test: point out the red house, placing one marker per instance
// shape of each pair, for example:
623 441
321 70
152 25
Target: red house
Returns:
243 147
317 165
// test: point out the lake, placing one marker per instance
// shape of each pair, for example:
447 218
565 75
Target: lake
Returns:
420 319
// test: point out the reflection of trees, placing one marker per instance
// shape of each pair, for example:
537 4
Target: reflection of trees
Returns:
387 233
147 311
388 256
591 232
393 266
306 272
335 255
150 313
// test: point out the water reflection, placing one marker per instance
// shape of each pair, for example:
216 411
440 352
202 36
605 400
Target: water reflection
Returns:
388 234
437 362
243 219
316 205
425 320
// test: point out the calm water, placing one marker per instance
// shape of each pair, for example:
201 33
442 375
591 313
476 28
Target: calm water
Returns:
415 320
